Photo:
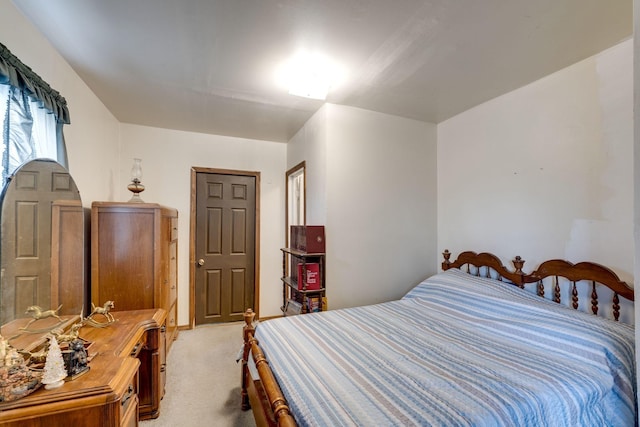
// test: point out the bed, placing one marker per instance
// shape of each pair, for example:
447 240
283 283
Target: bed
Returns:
470 346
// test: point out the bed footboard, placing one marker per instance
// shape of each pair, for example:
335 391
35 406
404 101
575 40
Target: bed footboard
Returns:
263 394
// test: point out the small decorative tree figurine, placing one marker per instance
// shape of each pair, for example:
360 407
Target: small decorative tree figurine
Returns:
54 369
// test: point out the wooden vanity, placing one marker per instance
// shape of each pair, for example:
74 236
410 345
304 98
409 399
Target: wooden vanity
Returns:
125 382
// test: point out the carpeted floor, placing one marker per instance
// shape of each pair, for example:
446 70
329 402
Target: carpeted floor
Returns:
203 380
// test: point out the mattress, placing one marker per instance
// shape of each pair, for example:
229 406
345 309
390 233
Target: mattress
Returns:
457 350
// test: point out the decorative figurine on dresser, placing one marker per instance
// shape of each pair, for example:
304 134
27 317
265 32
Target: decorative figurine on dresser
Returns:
37 313
104 311
54 371
76 359
16 378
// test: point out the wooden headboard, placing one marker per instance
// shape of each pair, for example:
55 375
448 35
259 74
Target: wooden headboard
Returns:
558 274
485 265
594 274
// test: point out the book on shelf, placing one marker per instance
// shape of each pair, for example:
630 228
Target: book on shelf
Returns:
295 295
313 304
309 275
316 303
292 308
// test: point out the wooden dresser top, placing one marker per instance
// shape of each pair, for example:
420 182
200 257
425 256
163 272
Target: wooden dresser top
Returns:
110 365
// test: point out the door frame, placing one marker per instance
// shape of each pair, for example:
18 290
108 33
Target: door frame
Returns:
192 239
299 168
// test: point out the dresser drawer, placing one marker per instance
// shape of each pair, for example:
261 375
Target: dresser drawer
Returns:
140 344
129 400
130 414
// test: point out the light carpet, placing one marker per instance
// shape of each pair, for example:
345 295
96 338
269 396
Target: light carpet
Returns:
203 380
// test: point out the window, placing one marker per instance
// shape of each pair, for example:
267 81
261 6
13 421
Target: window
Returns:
32 115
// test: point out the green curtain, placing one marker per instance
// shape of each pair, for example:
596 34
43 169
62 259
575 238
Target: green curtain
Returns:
17 74
32 117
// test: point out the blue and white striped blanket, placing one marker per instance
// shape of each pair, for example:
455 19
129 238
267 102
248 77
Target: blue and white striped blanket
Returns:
457 350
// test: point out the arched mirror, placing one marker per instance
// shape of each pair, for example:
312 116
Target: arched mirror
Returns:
42 254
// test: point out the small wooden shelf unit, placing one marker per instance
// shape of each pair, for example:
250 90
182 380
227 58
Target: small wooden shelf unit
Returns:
296 298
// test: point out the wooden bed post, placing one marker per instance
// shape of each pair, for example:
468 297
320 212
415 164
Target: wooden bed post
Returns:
518 263
247 333
446 263
263 396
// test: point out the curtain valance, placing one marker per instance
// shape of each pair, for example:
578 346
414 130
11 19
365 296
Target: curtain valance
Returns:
15 73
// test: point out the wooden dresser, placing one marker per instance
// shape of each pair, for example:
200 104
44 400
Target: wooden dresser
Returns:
134 258
125 380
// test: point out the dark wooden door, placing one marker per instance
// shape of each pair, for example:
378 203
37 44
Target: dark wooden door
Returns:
225 243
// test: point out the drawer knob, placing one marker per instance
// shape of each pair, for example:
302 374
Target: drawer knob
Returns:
134 352
127 395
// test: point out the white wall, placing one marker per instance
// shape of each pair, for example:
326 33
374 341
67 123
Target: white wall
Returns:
309 145
545 171
378 173
167 158
93 135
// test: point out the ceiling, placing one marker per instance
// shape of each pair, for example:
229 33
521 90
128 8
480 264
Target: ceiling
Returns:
209 65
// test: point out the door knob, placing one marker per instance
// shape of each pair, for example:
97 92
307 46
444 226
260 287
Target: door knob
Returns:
200 262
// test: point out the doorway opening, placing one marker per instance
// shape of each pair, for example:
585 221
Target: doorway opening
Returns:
296 199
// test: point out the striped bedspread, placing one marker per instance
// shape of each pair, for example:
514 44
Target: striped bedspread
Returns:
457 350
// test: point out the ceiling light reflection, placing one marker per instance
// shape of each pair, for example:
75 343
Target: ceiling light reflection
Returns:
310 75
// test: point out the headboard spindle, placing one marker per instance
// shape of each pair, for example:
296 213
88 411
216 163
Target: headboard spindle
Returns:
616 306
540 288
557 297
574 296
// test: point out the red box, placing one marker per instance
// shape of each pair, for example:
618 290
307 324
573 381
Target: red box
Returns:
310 276
308 238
